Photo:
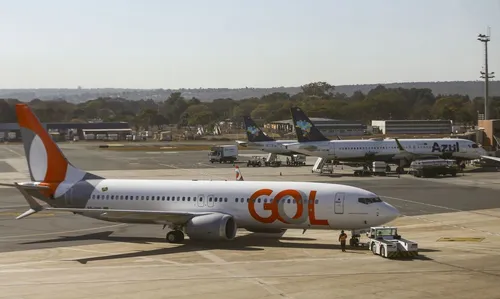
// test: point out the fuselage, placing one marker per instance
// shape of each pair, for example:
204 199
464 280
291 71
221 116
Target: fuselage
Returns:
253 204
273 147
387 149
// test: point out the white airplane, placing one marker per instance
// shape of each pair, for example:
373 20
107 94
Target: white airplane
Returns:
259 140
400 152
204 210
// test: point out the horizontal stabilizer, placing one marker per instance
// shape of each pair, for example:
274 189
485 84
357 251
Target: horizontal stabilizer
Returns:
35 207
26 186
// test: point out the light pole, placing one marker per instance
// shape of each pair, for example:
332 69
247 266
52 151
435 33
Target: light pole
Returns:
485 74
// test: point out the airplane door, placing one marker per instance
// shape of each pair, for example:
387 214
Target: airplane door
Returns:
339 203
210 202
331 149
201 200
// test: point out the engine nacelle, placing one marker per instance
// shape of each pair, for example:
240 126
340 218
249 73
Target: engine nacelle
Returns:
214 226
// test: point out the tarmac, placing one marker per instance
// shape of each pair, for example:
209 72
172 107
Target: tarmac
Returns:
61 255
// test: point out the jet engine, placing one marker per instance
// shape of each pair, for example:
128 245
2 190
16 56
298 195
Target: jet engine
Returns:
214 226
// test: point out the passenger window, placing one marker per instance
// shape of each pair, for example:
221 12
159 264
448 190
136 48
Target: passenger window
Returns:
189 198
168 197
316 201
288 201
210 199
98 196
183 198
258 200
112 196
163 198
126 197
236 200
178 198
142 197
225 199
201 198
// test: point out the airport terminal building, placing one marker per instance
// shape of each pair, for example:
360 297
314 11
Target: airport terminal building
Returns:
395 127
329 127
67 131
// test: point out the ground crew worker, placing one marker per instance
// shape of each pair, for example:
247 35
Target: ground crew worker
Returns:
342 240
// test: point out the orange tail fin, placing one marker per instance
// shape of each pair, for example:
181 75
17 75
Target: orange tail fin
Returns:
46 162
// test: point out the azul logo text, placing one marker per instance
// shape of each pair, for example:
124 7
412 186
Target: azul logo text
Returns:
443 148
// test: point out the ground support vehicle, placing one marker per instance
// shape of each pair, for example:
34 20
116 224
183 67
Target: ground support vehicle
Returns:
386 242
296 160
255 161
433 168
223 154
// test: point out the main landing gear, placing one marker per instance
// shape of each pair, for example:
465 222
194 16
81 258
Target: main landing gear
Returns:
174 236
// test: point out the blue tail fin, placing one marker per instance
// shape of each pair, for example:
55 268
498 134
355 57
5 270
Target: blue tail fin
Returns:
254 133
305 129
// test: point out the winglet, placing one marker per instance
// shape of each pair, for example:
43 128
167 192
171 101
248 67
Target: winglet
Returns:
239 176
400 147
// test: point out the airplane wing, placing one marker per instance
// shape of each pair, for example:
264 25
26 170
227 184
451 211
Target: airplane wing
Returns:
404 153
496 159
160 216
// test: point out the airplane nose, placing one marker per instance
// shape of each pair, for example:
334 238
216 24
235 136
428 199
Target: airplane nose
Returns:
389 212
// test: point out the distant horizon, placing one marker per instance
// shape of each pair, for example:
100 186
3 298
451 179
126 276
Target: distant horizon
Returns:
245 87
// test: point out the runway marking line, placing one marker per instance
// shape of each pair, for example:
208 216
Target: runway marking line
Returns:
12 151
445 208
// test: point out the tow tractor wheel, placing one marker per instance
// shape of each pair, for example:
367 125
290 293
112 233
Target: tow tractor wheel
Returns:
175 236
374 250
382 251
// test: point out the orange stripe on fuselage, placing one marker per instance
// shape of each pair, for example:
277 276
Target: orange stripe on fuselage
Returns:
56 162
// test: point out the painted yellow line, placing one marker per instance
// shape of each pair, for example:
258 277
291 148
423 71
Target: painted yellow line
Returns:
459 239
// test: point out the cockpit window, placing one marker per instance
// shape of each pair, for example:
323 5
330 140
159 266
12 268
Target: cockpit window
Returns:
474 145
369 200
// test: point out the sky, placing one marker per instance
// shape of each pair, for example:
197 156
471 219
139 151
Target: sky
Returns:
237 44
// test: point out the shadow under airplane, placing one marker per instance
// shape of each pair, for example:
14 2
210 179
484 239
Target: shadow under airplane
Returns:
249 242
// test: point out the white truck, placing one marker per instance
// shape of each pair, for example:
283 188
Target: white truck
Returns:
223 153
386 242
